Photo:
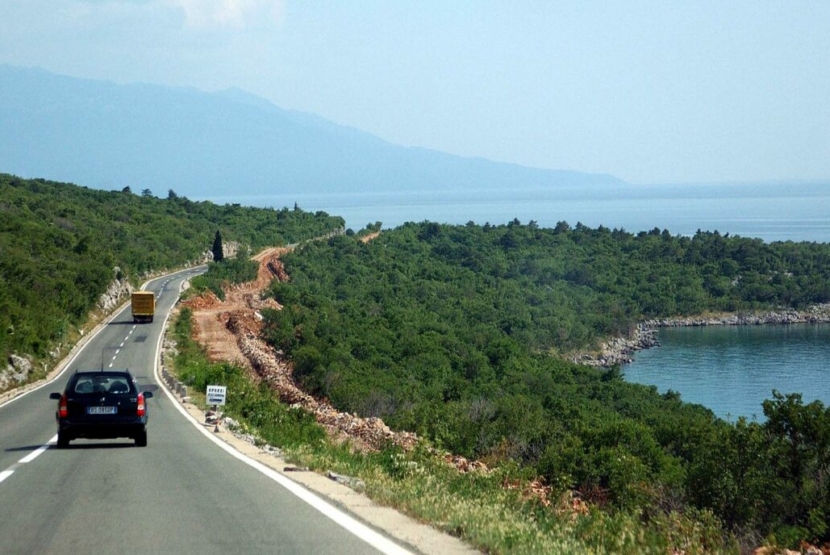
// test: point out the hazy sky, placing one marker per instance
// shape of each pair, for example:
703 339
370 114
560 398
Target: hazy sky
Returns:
650 91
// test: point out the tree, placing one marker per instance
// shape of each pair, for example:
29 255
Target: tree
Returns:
171 194
146 193
218 253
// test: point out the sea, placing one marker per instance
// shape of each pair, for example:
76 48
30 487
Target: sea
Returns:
730 370
795 211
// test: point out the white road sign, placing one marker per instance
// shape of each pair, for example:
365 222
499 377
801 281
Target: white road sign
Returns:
216 394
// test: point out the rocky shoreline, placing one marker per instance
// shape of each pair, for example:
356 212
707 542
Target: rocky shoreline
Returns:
621 350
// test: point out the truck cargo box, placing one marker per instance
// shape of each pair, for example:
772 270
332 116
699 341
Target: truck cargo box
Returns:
143 305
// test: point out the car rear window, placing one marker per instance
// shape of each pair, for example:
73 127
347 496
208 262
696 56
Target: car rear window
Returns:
102 384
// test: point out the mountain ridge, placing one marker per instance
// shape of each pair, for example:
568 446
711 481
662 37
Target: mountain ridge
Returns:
200 144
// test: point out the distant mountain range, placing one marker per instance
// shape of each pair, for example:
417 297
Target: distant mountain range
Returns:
108 136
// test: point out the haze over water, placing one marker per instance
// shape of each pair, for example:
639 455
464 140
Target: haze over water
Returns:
772 212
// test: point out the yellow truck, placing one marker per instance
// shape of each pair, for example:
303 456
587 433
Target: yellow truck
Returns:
143 305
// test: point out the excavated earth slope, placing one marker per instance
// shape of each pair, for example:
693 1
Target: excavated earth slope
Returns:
230 331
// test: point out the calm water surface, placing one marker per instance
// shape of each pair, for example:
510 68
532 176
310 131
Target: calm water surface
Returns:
772 212
732 369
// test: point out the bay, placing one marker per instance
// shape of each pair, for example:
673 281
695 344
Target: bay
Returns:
732 369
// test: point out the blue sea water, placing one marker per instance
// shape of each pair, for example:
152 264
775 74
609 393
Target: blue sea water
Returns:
728 369
772 212
732 369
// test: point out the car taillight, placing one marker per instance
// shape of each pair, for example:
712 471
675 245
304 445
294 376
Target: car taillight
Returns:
63 410
140 409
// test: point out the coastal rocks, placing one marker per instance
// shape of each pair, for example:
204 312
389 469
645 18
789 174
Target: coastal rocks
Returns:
620 350
813 315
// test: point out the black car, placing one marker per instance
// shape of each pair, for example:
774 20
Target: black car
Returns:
102 405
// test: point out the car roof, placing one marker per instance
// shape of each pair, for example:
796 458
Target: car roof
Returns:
103 373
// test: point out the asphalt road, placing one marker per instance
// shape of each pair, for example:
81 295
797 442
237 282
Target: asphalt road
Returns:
179 495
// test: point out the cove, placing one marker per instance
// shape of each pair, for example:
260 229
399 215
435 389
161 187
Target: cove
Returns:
732 369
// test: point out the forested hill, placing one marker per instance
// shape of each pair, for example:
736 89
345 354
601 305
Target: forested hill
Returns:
453 332
60 245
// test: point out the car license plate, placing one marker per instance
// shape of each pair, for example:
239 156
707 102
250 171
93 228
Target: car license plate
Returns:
101 410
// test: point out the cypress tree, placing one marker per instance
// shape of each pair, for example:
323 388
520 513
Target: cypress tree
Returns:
218 254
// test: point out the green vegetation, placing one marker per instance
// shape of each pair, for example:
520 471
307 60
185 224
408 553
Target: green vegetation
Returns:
230 270
61 245
449 331
218 249
459 334
254 404
476 506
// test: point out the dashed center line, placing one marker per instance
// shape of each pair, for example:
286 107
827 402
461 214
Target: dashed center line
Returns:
118 350
27 459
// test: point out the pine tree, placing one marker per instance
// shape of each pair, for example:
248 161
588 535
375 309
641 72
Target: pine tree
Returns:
218 254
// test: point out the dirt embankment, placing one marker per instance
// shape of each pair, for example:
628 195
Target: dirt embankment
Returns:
230 331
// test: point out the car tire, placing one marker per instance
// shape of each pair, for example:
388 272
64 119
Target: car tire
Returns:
63 440
141 439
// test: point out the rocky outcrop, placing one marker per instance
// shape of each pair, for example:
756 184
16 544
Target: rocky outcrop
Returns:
16 372
118 290
229 250
620 350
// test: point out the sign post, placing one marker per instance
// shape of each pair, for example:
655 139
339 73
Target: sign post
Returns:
216 396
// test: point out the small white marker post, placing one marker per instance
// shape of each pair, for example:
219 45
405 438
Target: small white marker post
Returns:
216 396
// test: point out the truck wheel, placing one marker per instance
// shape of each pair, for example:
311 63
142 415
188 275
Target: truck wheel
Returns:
141 439
63 440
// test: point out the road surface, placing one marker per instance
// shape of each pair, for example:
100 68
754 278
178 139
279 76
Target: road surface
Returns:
181 494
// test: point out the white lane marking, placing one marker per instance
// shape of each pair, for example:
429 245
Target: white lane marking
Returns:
350 524
27 459
34 454
365 533
68 365
122 344
6 473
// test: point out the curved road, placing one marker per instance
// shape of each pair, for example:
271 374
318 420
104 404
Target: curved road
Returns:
179 495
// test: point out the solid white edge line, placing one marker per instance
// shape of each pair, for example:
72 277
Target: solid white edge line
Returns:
5 474
357 528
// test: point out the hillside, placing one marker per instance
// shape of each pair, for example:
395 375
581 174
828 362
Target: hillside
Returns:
457 333
62 245
206 144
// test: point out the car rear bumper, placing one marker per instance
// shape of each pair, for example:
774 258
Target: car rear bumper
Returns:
100 430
